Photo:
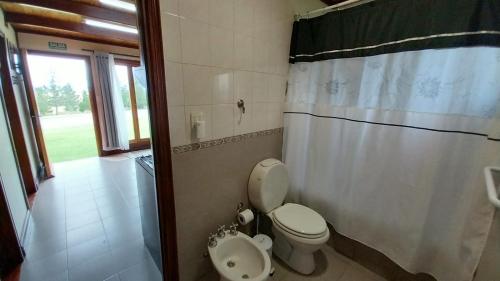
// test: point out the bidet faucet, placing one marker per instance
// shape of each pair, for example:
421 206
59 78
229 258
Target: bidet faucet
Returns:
221 231
212 241
233 229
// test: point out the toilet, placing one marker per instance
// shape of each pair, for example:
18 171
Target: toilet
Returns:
299 231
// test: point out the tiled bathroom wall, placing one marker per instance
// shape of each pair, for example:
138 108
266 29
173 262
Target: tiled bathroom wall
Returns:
218 52
208 185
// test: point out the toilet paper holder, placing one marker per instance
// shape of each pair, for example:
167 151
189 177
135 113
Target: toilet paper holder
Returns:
239 208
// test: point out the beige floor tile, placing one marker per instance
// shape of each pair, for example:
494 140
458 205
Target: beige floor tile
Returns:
356 272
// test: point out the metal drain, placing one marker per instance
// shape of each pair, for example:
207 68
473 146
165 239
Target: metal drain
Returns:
244 276
230 264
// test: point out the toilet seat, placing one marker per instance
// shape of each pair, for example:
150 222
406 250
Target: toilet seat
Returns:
300 221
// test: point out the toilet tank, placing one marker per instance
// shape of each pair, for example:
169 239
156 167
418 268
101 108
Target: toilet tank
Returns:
268 185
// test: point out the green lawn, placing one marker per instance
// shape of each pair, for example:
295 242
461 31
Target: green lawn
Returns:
70 143
71 136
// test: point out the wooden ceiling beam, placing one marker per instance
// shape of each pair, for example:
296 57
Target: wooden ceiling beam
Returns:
16 18
74 36
84 9
332 2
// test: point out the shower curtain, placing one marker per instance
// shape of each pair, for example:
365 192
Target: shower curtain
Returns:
392 113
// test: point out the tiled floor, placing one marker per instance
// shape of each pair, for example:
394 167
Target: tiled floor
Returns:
330 266
86 224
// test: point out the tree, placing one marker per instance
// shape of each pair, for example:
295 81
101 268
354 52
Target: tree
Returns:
125 94
84 103
141 97
42 100
54 96
69 98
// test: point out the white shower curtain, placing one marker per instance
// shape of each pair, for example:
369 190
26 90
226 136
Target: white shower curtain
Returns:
390 150
118 107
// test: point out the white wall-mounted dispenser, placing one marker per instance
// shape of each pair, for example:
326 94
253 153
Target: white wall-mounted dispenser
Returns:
197 125
492 176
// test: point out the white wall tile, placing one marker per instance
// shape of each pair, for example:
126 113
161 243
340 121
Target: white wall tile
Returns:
243 84
171 37
277 87
221 47
207 115
175 92
260 87
243 122
195 42
244 16
283 56
243 52
281 10
223 120
274 115
261 55
220 51
222 13
169 6
260 116
197 84
262 12
194 10
222 85
176 120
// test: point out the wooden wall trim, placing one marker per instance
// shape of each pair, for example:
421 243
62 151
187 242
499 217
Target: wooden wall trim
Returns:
17 18
75 36
152 53
84 9
15 121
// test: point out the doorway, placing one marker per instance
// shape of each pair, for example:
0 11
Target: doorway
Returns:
64 102
85 220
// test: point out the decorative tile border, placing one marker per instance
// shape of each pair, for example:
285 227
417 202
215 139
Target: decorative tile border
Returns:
233 139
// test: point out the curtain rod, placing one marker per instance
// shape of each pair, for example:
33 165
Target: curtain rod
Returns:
340 6
116 54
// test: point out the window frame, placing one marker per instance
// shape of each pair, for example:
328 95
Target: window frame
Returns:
133 101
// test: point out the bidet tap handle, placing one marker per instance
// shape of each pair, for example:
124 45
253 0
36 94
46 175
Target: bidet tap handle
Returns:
233 229
221 231
212 241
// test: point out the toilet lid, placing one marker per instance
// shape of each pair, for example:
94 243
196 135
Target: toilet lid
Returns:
300 219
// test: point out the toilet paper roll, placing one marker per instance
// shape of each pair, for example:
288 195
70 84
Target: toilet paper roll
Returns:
245 217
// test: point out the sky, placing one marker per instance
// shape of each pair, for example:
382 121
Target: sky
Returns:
65 70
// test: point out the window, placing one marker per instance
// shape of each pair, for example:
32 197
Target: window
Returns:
135 101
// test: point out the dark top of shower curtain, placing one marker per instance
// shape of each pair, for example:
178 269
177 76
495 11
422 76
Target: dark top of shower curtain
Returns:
389 26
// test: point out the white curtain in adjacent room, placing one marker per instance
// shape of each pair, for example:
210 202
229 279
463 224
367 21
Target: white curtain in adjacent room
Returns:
390 149
118 108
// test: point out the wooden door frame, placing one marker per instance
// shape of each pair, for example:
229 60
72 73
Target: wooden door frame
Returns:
35 116
149 23
10 247
92 98
18 137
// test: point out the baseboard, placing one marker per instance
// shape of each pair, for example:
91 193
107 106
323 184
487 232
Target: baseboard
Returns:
372 259
26 233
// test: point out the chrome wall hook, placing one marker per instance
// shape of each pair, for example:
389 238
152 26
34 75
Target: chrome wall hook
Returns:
241 105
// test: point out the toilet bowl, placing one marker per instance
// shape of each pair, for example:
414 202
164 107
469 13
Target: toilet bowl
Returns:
299 231
239 258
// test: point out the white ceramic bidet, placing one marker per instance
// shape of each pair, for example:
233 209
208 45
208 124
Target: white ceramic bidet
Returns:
239 258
